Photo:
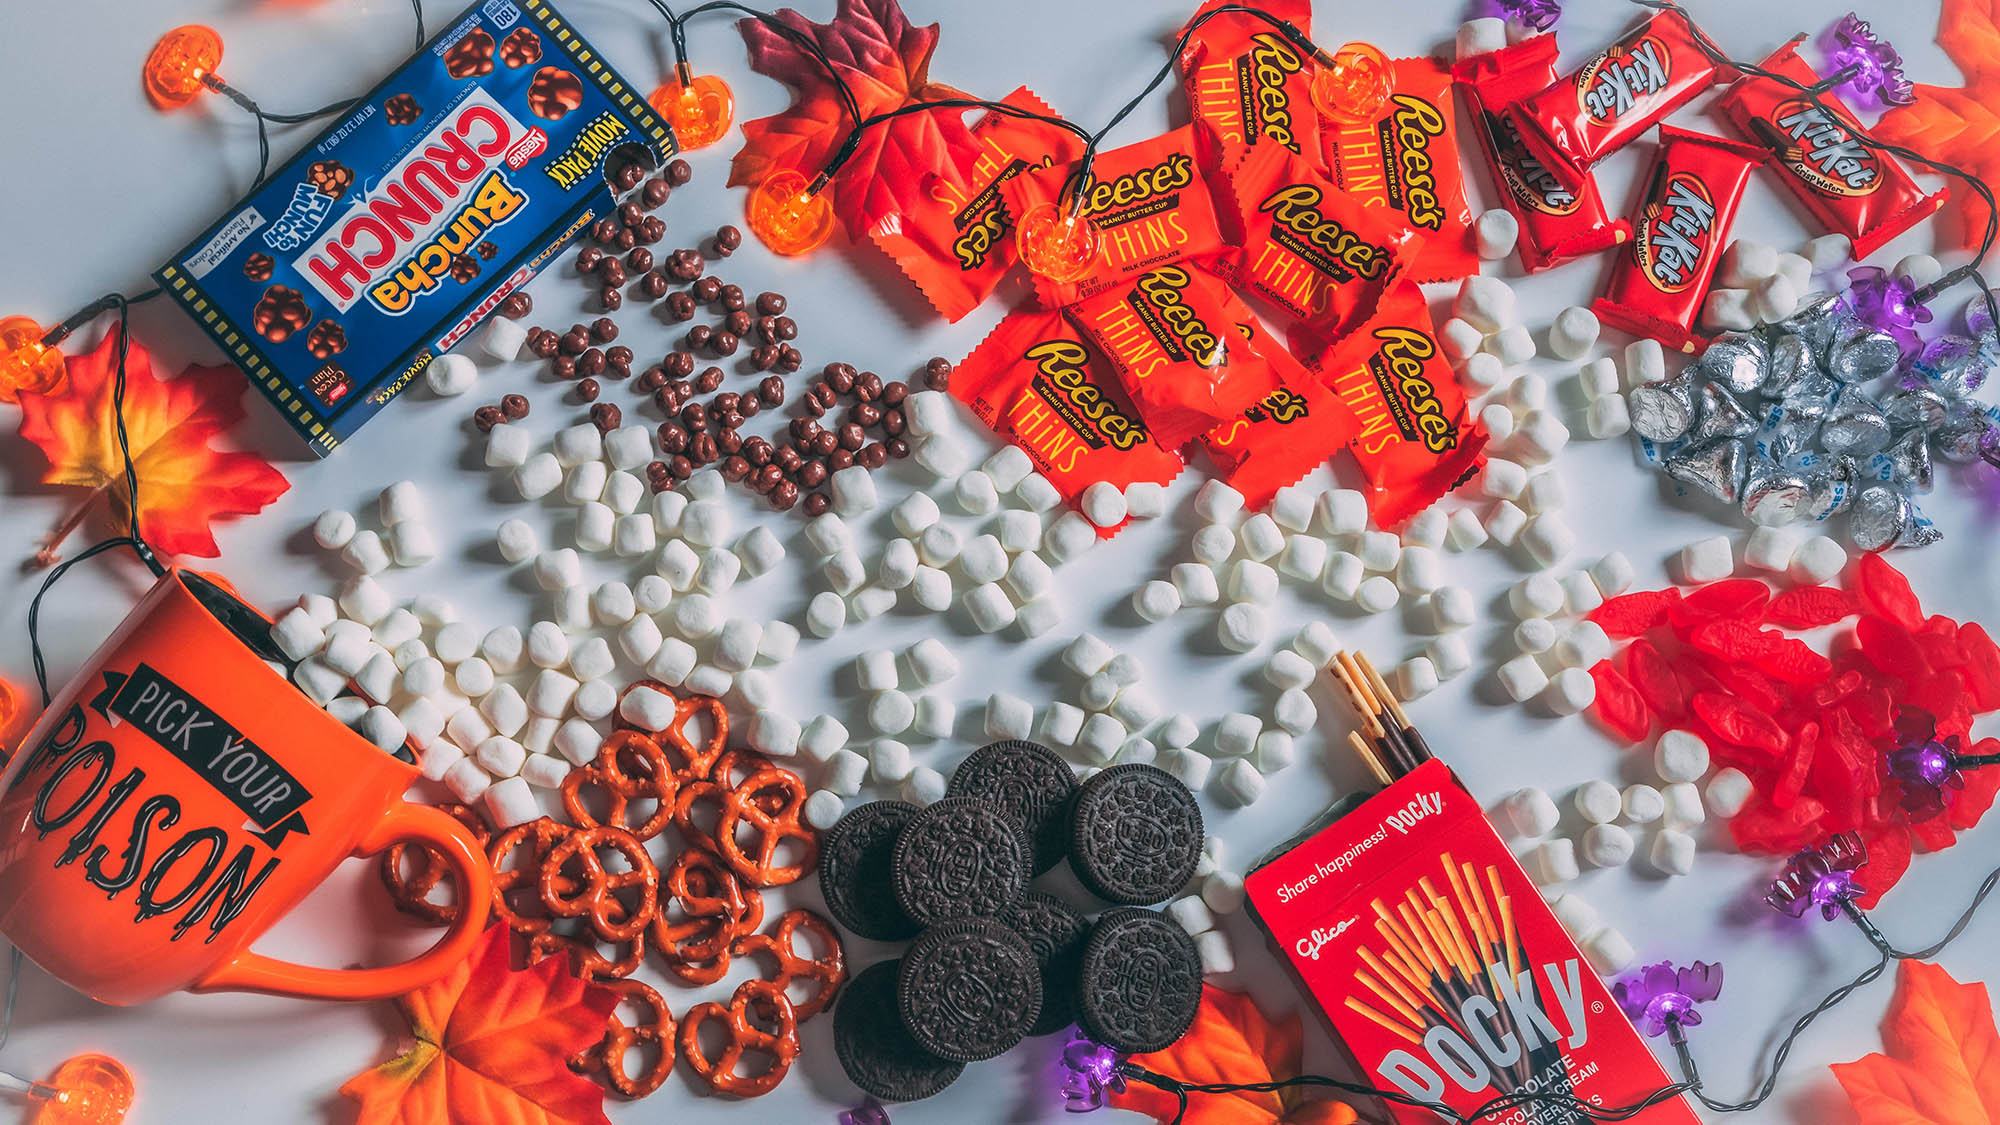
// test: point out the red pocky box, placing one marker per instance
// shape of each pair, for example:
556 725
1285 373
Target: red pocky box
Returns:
1413 435
1657 286
1559 221
1184 346
1440 966
958 243
1041 385
1316 253
1610 101
1148 201
1249 85
1405 158
1293 426
1851 189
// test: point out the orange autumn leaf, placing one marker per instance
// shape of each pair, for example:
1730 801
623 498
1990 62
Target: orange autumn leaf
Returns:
492 1046
1959 125
183 483
11 718
1943 1060
1233 1041
886 62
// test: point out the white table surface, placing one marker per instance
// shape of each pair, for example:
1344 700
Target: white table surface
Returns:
99 189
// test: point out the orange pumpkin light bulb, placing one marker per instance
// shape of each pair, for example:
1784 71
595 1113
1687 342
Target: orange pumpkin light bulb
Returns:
1058 245
790 215
1353 83
27 364
89 1090
181 61
700 109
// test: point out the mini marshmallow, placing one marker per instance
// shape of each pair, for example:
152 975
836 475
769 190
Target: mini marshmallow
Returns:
1522 678
1240 783
1414 678
296 634
1460 340
1062 723
377 678
1236 733
323 610
1774 299
640 639
1380 551
1771 548
845 771
550 693
924 786
889 761
1342 578
736 645
823 809
1275 751
1578 918
1673 852
1526 393
1496 232
1295 711
1535 635
1156 601
1103 504
1098 692
558 569
1480 37
1570 691
1189 767
678 564
1613 574
828 534
363 599
1222 891
936 716
1317 643
508 447
1918 269
1450 656
1019 530
718 570
1683 801
473 678
1745 263
1213 545
1514 345
633 535
843 572
548 645
1287 669
629 447
1037 493
931 662
1817 560
898 565
1484 301
697 617
977 495
1260 537
931 589
585 482
1607 845
1532 813
756 689
1680 756
1426 529
504 708
1537 595
572 609
989 607
1728 791
1135 707
1827 251
1707 560
1573 333
1642 804
396 628
983 560
1645 362
1554 861
539 475
1463 531
577 444
672 662
543 771
1609 952
452 374
1797 269
1217 502
517 540
1087 654
1727 310
333 529
1452 607
612 603
1502 480
1292 507
466 780
1498 422
1376 595
1580 593
1343 511
1419 571
705 484
399 502
1191 914
500 756
927 412
1028 577
854 491
596 526
1007 467
822 737
1242 626
1539 438
1545 494
1583 645
875 670
423 719
916 513
1008 717
1598 379
939 545
1101 737
707 523
1482 371
1251 582
1598 801
891 712
578 742
366 553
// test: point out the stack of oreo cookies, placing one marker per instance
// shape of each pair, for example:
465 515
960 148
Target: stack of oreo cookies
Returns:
992 960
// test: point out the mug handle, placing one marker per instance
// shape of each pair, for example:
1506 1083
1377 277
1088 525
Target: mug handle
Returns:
254 972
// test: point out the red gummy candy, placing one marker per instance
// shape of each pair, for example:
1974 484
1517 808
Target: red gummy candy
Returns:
1982 665
1741 598
1792 779
1891 648
1809 607
1794 662
1763 829
1749 685
1654 679
1733 639
1887 592
1971 802
1836 688
1888 849
1933 834
1844 773
1618 706
1739 723
1629 615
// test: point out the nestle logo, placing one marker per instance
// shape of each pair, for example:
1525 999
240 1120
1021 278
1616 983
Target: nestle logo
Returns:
530 146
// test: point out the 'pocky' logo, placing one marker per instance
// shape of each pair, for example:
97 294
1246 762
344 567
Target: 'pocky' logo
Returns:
1159 297
1064 382
1517 1025
1165 178
1399 367
1408 133
1267 102
1675 234
1527 179
1320 238
1820 151
1615 82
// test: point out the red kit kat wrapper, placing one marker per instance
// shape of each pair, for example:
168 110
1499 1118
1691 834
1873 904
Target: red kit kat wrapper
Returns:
1657 286
1440 967
1612 99
1865 195
1558 222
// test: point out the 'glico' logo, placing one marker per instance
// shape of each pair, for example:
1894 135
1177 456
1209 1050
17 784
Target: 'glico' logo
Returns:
1163 289
1399 367
1527 179
1171 174
1296 208
976 241
1822 153
1274 61
1417 121
1674 234
1611 84
1063 363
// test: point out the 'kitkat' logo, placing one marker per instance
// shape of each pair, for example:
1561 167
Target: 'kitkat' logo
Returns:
379 236
1272 62
1820 151
1527 179
1625 75
1674 234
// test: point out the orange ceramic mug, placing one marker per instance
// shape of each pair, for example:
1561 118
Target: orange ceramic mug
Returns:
179 797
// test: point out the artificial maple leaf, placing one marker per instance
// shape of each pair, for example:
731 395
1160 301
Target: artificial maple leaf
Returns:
492 1046
1233 1041
183 483
886 62
1943 1060
1958 125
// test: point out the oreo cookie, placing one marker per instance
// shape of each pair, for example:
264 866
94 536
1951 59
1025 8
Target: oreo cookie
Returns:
959 858
970 989
1140 981
1057 932
1135 836
1028 782
856 859
876 1050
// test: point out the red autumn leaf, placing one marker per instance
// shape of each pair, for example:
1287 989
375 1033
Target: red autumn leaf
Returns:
11 717
1233 1041
1943 1055
493 1046
183 483
886 62
1959 125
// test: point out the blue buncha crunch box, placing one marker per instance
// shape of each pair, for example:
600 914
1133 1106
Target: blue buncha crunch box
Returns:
408 221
